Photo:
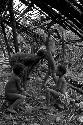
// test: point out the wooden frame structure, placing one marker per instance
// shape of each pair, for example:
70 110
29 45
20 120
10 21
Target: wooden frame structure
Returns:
67 13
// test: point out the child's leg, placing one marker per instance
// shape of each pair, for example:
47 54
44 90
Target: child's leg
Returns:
63 88
17 98
20 99
47 97
54 92
56 99
49 94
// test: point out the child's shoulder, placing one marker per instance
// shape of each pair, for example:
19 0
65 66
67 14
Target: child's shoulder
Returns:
15 77
62 78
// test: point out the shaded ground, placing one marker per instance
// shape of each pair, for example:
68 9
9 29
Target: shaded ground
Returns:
36 112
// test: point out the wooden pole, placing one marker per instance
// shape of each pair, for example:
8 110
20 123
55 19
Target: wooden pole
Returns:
5 38
63 48
13 22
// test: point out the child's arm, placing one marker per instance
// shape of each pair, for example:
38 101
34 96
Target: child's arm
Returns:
54 92
64 86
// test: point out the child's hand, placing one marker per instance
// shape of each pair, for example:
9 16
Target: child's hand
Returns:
24 93
22 89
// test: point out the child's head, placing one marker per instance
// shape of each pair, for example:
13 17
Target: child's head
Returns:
18 69
61 70
41 52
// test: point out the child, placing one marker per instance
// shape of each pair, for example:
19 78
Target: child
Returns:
13 88
28 60
61 85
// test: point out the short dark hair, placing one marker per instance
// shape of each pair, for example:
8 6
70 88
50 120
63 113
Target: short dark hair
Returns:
18 68
62 69
41 53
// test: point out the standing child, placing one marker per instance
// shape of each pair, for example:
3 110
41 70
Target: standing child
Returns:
13 87
61 85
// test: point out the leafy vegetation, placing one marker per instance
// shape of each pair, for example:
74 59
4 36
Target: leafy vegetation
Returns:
66 48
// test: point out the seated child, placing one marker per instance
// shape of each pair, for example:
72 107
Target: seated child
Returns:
13 87
28 60
61 85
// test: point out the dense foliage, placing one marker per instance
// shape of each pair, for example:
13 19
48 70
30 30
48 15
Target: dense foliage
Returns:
66 47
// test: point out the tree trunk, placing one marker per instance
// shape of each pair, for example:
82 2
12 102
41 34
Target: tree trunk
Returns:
1 38
45 79
3 49
12 18
63 49
6 41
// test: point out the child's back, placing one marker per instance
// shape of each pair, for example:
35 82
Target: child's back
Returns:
12 85
61 85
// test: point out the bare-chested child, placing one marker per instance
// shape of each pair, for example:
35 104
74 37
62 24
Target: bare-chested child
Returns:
61 85
13 89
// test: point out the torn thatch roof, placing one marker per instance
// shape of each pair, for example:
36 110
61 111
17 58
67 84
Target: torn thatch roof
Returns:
67 13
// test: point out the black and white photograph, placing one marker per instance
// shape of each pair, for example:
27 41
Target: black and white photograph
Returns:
41 62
